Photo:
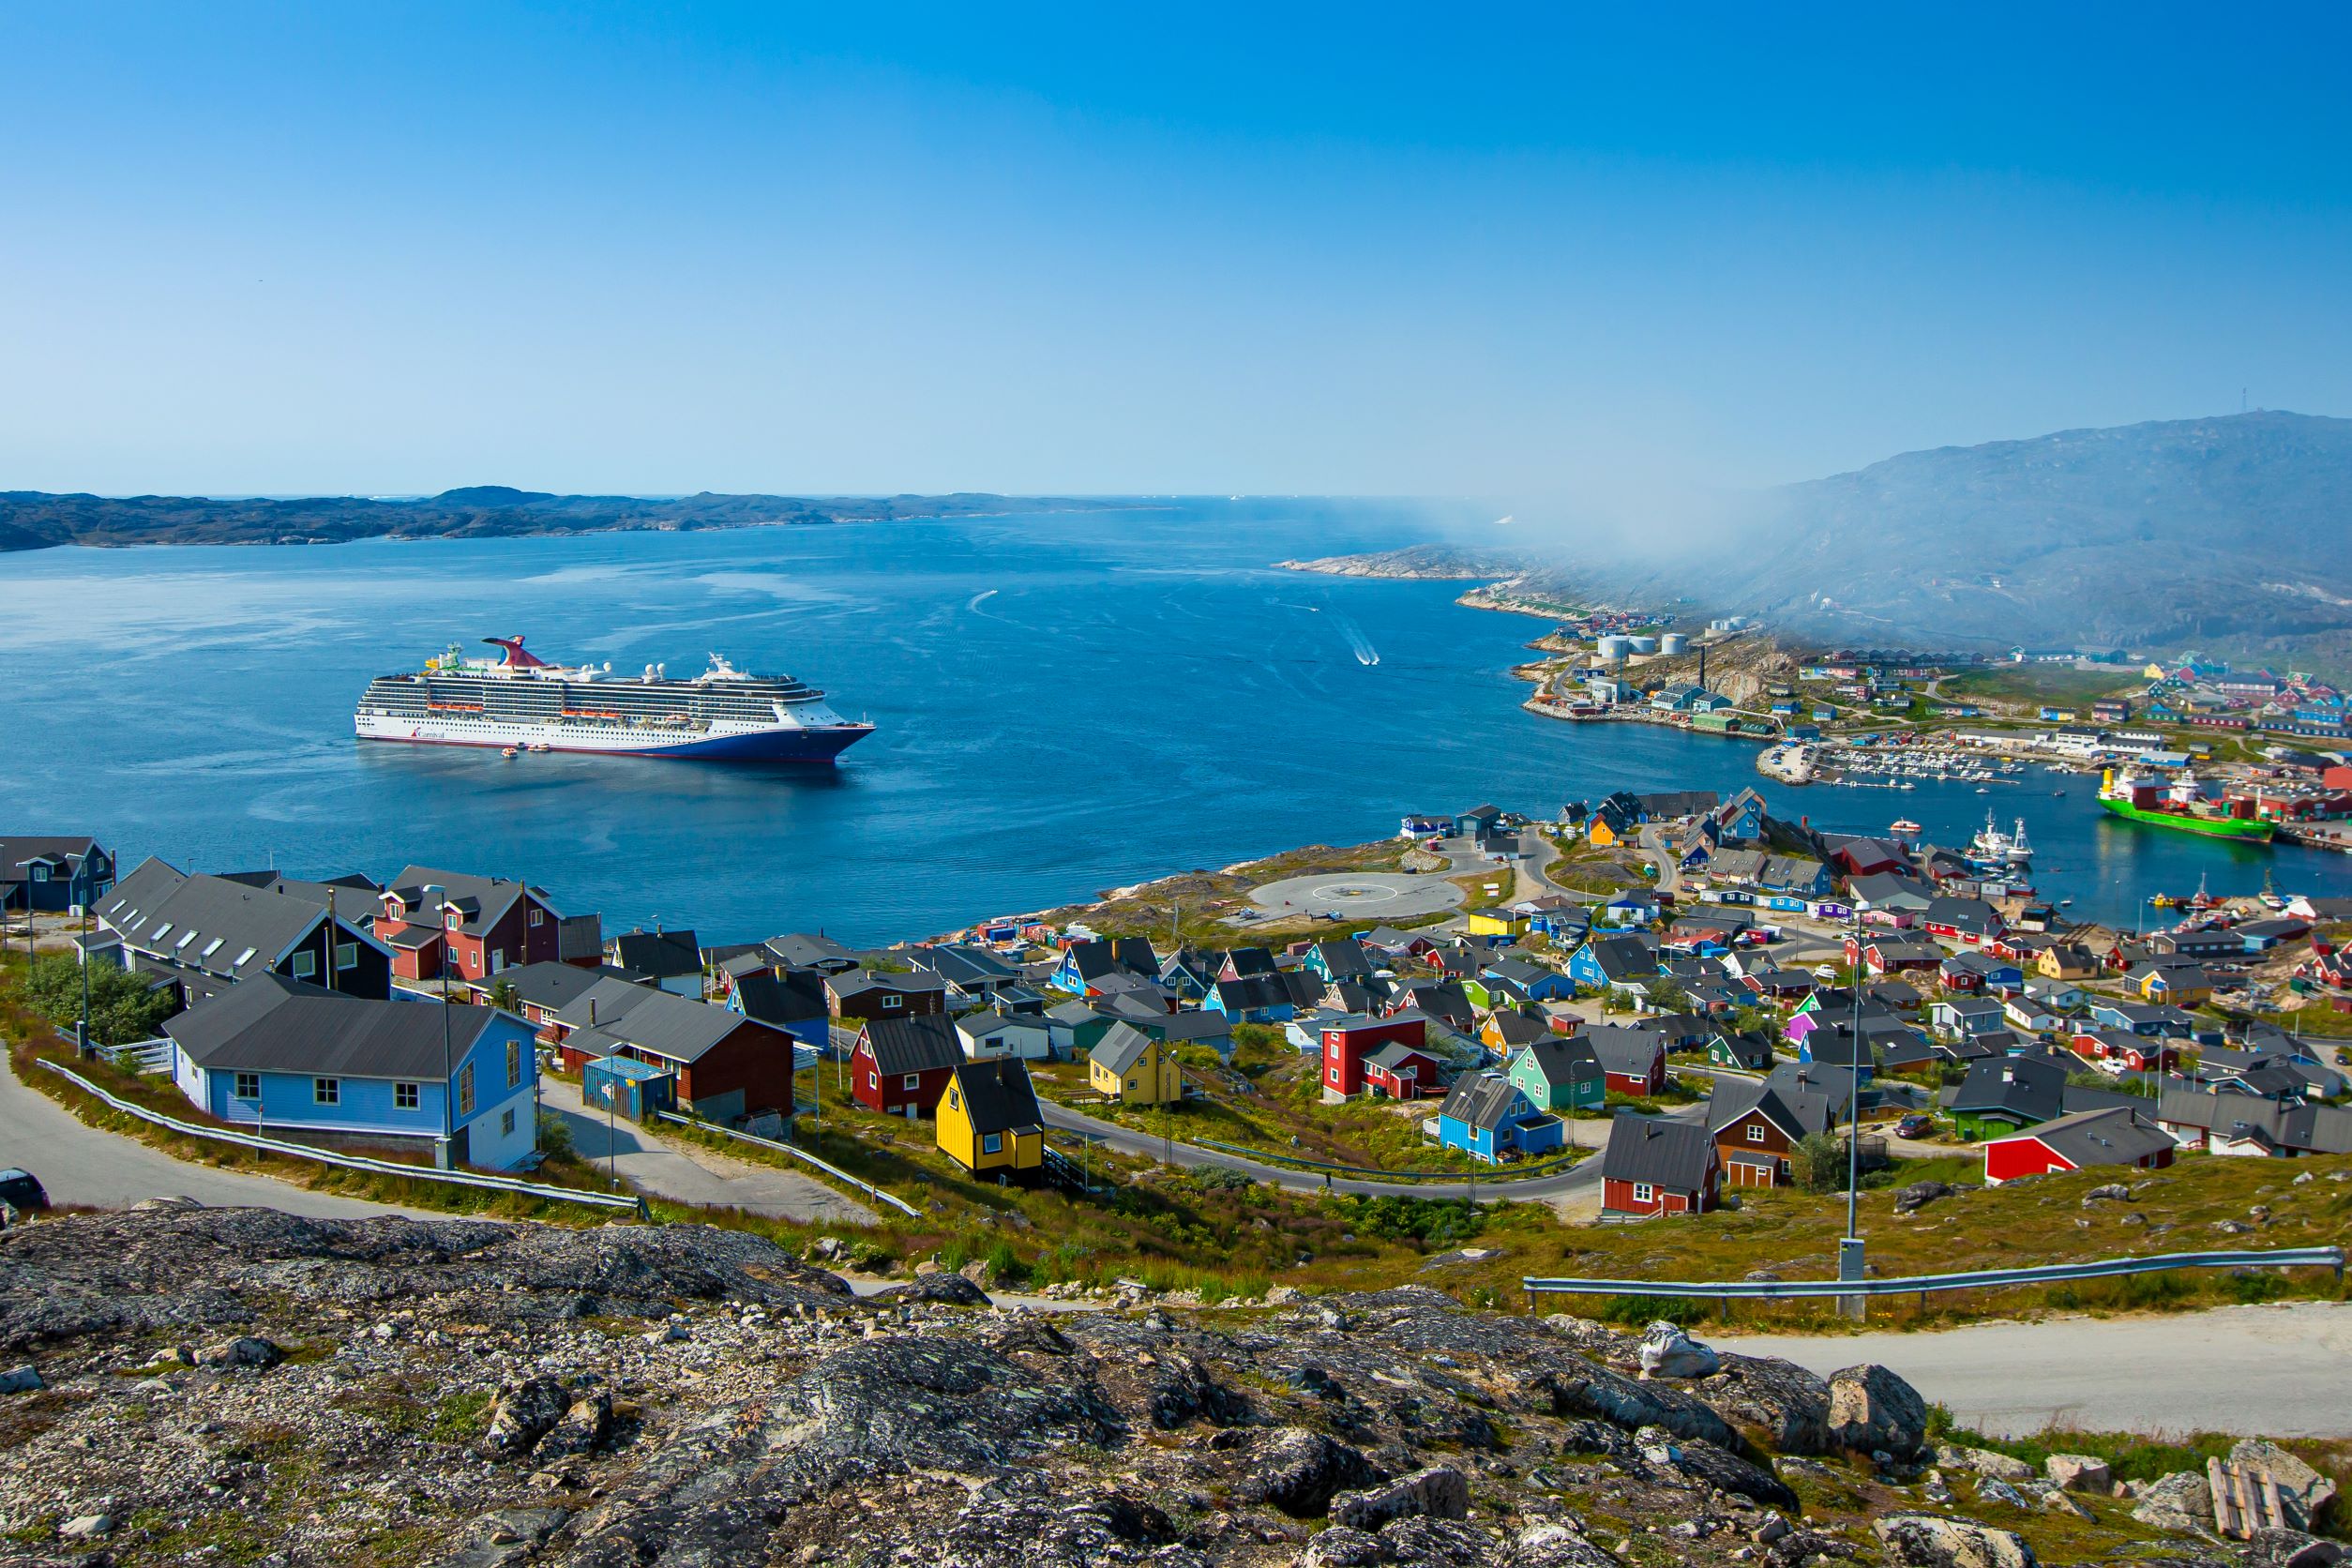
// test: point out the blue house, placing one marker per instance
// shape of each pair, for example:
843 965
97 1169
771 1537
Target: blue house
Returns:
1614 963
1479 822
54 873
1258 998
2140 1018
1630 908
295 1059
1534 981
1486 1116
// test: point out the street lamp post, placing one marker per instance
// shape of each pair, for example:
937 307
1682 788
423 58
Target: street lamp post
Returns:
448 1088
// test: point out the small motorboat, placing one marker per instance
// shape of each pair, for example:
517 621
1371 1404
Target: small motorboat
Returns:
506 751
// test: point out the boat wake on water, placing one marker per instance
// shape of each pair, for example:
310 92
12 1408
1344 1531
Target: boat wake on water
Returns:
1361 645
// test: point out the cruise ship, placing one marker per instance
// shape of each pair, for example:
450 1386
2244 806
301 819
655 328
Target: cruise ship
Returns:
518 701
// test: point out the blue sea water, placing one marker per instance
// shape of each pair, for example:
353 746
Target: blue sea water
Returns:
1064 702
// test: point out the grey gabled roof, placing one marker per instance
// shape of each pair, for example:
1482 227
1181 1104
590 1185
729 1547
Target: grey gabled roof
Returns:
1559 1061
491 897
17 852
1395 1054
1798 1109
797 996
804 950
156 906
1119 1049
2114 1135
1651 1149
998 1095
612 997
552 986
1484 1100
1631 1051
921 1043
671 1027
664 955
963 966
2017 1086
270 1024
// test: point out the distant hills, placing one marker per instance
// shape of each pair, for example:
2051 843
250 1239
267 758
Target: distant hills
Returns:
2231 532
33 520
2230 535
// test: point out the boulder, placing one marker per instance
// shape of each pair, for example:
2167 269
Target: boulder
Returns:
20 1380
1546 1545
1604 1396
2291 1548
1871 1408
2078 1472
585 1425
244 1351
2114 1192
1789 1402
1727 1471
86 1526
1666 1352
940 1287
1924 1540
523 1413
1440 1492
1299 1472
2183 1500
2302 1489
1919 1195
1983 1461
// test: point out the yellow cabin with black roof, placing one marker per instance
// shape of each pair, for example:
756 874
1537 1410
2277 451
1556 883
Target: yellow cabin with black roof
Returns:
989 1119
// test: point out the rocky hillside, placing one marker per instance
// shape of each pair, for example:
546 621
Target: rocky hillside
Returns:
205 1386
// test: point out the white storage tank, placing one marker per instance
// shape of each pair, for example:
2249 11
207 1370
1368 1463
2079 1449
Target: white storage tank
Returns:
1673 642
1644 644
1614 648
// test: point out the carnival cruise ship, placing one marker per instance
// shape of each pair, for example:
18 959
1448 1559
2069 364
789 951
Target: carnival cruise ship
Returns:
518 701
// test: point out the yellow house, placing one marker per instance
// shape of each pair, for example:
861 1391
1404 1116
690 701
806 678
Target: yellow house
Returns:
2067 962
1130 1066
988 1121
1496 923
2181 987
1603 833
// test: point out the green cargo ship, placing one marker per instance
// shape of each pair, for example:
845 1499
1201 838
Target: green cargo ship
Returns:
2240 828
2142 800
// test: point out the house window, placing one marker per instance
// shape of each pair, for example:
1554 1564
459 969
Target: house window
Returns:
538 917
465 1090
305 965
243 958
1333 1074
1756 1132
1642 1192
514 1064
40 873
347 955
249 1086
894 999
326 1091
992 1143
955 1101
506 1123
911 1081
407 1096
873 1081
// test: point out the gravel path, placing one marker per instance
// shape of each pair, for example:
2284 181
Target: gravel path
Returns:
2272 1371
685 1174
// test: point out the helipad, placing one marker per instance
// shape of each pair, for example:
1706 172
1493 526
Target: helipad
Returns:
1359 896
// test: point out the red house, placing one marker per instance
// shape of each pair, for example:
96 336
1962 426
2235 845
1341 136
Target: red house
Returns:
2114 1135
1402 1072
901 1065
727 1066
1348 1042
1656 1166
478 925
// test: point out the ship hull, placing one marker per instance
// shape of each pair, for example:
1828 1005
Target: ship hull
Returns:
2233 828
817 746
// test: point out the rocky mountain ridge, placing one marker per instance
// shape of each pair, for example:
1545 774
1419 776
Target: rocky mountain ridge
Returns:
240 1385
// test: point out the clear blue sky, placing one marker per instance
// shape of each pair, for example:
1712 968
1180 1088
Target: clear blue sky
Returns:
1427 249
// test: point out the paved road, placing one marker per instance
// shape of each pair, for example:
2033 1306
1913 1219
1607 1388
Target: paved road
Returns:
1586 1174
84 1165
2268 1370
660 1168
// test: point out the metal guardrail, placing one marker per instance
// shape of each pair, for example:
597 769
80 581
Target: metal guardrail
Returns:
833 1170
1977 1279
1401 1177
353 1162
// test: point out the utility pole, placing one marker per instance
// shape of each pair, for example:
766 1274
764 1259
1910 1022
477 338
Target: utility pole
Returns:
1850 1264
448 1087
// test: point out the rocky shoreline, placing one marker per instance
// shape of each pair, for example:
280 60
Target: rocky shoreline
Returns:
206 1385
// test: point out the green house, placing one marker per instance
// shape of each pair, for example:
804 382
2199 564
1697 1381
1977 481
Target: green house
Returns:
1559 1075
2003 1094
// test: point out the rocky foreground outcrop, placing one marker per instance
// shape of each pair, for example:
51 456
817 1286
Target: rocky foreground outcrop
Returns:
238 1385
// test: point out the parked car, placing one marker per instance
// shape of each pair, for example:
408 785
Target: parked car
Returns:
1915 1126
20 1193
